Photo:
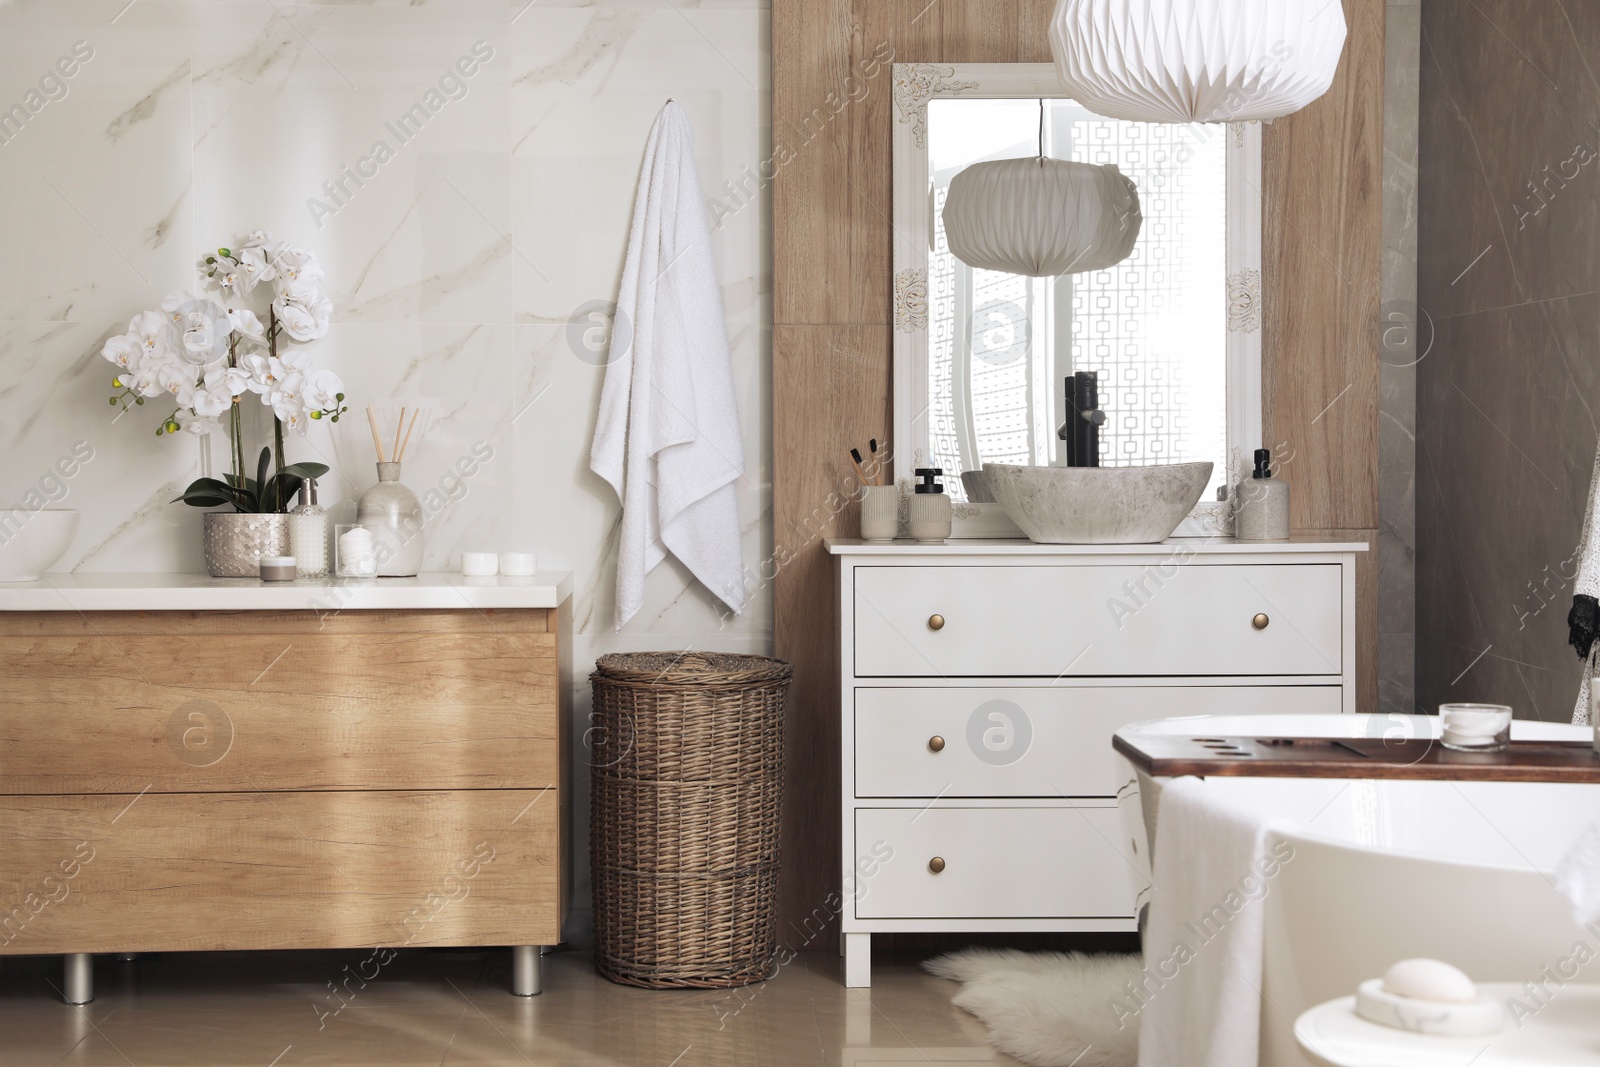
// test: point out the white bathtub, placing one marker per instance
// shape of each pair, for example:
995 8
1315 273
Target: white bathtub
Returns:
1386 870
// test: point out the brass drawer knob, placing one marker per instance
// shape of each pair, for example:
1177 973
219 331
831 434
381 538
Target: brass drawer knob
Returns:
936 743
1260 621
935 622
936 865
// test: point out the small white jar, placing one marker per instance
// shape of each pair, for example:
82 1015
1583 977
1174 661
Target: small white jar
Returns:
278 568
518 564
479 564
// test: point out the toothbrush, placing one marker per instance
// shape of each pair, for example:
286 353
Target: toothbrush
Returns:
855 461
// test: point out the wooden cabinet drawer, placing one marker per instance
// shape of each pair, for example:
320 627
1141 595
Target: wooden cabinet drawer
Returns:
202 871
1042 741
1086 621
998 863
185 702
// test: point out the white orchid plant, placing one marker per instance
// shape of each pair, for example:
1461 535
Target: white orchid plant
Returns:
207 350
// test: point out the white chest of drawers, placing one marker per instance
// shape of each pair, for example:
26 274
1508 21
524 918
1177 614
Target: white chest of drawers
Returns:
981 682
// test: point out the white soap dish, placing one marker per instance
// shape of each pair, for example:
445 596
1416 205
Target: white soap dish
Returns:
1479 1017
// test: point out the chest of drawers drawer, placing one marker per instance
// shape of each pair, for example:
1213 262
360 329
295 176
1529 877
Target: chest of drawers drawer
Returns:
1034 741
990 863
1086 621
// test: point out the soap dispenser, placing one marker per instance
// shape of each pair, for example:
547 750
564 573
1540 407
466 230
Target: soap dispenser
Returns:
930 507
1263 513
308 533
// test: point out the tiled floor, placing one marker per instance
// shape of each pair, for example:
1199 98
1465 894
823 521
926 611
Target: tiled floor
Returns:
454 1007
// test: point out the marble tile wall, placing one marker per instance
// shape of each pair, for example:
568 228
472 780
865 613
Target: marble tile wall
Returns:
454 271
1507 393
1397 397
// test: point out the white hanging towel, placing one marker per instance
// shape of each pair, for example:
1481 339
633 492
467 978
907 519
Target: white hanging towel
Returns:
1583 621
668 436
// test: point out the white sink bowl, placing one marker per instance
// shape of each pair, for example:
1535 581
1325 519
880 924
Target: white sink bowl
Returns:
1097 505
32 541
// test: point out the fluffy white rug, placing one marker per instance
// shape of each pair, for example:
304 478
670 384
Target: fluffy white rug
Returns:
1050 1009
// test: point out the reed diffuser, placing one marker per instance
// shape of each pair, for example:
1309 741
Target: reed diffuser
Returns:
390 511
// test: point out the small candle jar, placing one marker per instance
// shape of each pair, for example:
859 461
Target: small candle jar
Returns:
355 552
1475 727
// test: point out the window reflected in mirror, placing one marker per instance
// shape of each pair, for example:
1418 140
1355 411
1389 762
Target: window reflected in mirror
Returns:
1154 327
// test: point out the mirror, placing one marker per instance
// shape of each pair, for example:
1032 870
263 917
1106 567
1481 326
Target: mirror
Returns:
1172 332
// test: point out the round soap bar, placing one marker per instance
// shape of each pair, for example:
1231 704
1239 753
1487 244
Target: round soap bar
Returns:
1429 980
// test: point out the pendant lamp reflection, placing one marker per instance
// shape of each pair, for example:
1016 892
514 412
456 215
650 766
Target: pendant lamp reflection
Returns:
1197 60
1041 217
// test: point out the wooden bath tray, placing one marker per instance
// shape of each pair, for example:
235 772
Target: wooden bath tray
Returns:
1365 757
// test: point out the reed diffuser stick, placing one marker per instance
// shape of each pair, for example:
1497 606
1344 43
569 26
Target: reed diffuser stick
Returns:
372 420
409 427
399 424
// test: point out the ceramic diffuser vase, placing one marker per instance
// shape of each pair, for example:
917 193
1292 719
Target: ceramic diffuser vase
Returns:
389 511
393 515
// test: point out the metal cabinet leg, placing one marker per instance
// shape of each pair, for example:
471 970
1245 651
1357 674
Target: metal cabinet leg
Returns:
527 970
77 978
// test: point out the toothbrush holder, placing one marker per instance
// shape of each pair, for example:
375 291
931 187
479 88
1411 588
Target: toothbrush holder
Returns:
880 512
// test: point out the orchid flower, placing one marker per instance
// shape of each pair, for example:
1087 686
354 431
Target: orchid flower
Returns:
304 320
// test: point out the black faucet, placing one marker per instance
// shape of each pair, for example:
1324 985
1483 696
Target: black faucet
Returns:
1081 431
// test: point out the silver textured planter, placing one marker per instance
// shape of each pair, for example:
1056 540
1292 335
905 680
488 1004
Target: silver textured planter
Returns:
235 542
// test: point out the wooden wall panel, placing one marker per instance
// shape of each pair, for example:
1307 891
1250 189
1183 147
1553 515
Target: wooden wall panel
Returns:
832 265
814 505
811 55
1323 238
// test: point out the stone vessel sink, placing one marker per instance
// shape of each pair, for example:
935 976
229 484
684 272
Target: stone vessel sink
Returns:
32 541
1097 505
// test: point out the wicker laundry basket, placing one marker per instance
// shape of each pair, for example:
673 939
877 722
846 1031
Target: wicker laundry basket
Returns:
686 757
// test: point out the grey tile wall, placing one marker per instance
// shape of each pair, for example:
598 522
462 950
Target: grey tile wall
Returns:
1506 395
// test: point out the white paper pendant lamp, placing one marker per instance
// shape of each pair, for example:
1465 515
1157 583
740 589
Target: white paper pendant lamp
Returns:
1197 60
1041 217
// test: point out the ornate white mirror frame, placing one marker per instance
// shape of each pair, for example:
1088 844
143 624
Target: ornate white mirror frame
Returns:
917 83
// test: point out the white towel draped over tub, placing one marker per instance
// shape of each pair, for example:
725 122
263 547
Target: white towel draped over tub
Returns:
1203 944
668 436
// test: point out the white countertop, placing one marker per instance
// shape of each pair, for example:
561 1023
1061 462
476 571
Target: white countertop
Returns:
1206 546
197 592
